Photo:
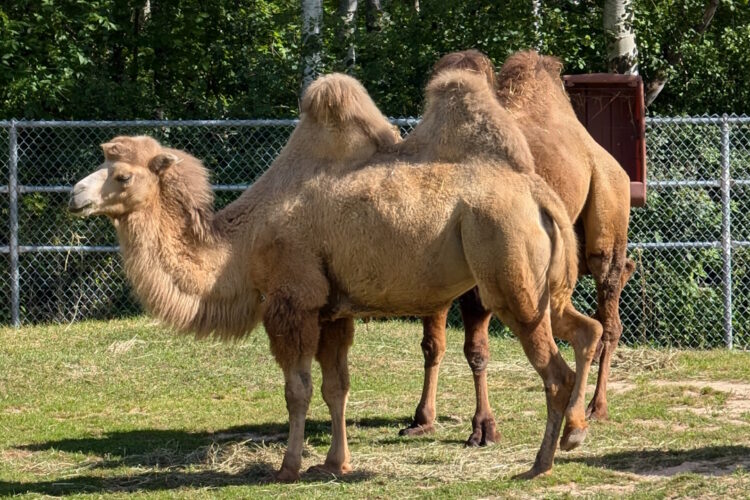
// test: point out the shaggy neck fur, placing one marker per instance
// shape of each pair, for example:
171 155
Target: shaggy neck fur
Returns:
180 265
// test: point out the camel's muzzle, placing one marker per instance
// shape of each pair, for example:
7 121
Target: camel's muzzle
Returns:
86 193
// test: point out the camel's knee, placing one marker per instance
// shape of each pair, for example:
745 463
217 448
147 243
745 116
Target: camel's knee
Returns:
627 272
587 335
612 329
599 264
559 389
477 353
298 391
433 349
334 390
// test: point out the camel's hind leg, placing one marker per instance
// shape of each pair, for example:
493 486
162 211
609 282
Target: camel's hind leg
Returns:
335 340
610 276
559 380
605 222
476 349
433 348
583 333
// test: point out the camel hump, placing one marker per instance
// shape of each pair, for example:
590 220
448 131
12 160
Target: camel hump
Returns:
339 100
456 83
526 64
470 60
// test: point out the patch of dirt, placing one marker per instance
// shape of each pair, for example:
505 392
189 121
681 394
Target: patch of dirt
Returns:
660 424
736 405
620 386
575 490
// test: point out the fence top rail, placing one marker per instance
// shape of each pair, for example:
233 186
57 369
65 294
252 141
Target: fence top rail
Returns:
271 122
697 120
147 123
281 122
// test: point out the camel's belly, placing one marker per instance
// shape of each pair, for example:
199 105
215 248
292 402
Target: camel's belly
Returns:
391 272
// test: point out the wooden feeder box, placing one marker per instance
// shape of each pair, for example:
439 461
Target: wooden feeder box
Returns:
611 107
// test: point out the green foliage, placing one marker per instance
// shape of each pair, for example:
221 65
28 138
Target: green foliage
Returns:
108 59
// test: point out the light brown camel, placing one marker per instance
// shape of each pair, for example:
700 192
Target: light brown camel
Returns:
596 194
334 230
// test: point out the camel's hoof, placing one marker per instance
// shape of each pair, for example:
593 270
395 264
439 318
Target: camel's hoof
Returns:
572 438
286 476
330 469
417 430
483 435
532 473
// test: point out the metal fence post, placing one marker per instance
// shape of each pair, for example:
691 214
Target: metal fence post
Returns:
13 215
726 230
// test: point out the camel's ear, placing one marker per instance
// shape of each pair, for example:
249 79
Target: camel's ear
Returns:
113 149
161 162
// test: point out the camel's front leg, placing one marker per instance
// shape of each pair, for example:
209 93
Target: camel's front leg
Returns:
335 340
476 349
584 334
293 335
433 348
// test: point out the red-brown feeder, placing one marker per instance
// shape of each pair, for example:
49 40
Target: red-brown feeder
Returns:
611 108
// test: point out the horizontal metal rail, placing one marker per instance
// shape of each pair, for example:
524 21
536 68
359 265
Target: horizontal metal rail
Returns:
651 120
631 246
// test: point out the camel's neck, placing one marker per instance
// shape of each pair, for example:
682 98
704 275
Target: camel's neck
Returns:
191 283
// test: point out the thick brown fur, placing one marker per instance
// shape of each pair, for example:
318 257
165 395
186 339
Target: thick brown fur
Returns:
593 188
370 228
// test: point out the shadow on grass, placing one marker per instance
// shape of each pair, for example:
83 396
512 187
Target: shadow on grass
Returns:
708 461
259 473
172 453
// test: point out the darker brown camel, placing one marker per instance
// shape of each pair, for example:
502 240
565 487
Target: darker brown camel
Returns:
596 194
349 223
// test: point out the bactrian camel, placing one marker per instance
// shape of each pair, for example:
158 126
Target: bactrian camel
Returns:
596 194
338 228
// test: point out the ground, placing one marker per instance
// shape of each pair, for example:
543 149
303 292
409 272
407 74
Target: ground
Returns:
122 407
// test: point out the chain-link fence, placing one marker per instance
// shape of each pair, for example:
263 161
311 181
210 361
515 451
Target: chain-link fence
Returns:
691 241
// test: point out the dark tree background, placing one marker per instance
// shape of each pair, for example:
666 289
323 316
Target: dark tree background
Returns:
125 59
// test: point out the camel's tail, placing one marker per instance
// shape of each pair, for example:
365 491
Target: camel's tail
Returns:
339 100
563 270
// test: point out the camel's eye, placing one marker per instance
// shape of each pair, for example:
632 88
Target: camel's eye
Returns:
122 178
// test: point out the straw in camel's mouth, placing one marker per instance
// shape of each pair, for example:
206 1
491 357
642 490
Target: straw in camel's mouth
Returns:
79 209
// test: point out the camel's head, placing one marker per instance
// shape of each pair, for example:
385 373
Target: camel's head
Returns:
127 181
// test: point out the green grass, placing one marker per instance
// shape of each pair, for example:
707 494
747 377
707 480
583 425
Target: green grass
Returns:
126 408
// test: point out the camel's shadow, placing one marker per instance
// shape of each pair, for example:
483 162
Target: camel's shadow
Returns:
173 453
707 461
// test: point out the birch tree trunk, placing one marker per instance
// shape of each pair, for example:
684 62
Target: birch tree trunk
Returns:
374 15
312 16
536 7
348 10
622 52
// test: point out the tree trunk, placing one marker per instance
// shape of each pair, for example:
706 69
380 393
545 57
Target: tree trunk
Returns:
312 17
536 6
348 10
374 16
622 52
